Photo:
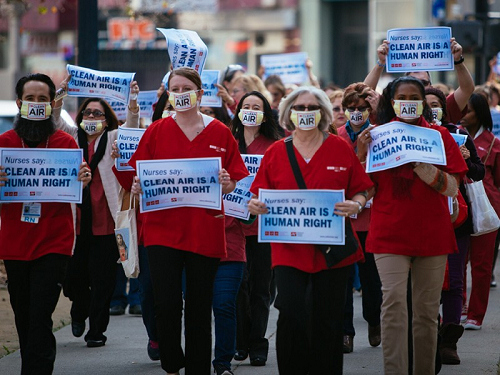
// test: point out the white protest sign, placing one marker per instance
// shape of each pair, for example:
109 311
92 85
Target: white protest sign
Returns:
209 78
397 143
41 175
496 68
495 118
185 48
235 203
180 183
120 109
420 49
97 84
145 100
301 216
127 141
291 67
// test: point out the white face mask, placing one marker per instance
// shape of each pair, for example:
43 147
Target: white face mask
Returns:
183 101
357 118
91 127
408 109
35 111
249 117
306 120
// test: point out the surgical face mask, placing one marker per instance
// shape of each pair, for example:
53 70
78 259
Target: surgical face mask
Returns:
357 117
166 113
91 127
35 111
250 118
408 109
305 120
437 115
183 101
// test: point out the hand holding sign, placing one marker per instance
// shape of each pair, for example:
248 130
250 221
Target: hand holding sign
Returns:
226 182
84 174
256 207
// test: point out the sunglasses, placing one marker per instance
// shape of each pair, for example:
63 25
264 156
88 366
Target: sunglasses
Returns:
302 108
352 109
95 113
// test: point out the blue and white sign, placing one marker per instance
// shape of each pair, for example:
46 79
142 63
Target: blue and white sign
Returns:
495 118
420 49
291 67
301 216
119 108
397 143
459 138
180 183
41 175
127 141
145 100
496 68
209 79
236 203
97 84
185 48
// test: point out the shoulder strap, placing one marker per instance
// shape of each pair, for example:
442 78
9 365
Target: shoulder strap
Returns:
491 146
294 164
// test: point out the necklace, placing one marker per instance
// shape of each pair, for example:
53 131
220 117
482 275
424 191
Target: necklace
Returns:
307 153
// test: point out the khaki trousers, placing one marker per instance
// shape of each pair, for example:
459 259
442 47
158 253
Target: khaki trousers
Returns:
427 282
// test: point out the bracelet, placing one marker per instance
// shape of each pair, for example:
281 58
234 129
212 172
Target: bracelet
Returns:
380 64
360 206
461 60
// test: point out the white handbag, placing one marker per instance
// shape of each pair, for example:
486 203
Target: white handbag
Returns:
126 239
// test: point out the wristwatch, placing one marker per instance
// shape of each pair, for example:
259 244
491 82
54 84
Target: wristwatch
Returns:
360 206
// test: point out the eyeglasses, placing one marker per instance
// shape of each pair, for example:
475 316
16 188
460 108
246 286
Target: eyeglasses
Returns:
302 108
352 109
425 82
337 109
95 113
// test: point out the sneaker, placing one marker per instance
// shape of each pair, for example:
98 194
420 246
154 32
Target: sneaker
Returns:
472 324
493 283
117 310
135 310
463 317
222 370
153 350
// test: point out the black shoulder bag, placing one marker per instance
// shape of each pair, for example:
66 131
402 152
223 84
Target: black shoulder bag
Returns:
333 253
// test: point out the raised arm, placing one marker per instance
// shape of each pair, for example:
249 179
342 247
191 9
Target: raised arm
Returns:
465 81
133 111
373 77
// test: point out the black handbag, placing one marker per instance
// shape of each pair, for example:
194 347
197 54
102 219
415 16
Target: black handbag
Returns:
333 253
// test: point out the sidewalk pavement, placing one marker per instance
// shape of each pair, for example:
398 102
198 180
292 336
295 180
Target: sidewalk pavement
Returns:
125 351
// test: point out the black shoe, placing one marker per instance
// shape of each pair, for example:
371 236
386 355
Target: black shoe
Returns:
348 343
117 310
153 353
95 342
135 310
258 362
222 370
77 328
241 355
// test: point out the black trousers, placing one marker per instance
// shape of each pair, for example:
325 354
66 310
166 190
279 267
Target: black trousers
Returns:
166 265
309 337
254 300
91 281
34 288
372 291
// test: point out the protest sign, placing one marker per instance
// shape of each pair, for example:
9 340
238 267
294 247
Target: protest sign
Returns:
301 216
145 100
495 118
459 138
97 84
397 143
209 78
120 109
127 141
496 67
180 183
291 67
235 203
420 49
41 175
185 48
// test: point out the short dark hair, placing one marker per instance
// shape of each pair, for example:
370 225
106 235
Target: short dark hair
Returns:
35 77
442 99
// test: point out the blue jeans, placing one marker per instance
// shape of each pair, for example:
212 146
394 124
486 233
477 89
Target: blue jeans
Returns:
120 296
226 286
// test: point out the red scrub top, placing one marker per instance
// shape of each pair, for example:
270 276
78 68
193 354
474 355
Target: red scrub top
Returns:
414 220
333 166
55 231
258 147
198 230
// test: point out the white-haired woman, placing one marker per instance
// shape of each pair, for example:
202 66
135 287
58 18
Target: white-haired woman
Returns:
325 162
